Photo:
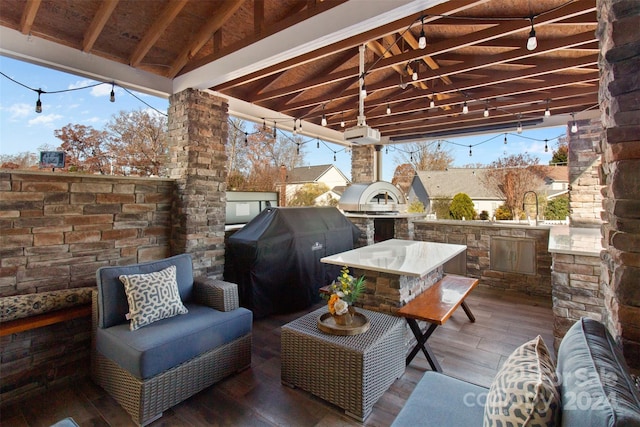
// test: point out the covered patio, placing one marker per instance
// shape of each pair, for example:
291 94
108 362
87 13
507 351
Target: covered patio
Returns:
296 65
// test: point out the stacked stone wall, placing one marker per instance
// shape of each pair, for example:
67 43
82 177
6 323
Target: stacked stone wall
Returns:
362 164
619 38
576 291
57 229
477 237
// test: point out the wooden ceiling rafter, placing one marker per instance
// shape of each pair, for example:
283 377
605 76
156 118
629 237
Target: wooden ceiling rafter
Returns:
151 36
100 19
29 15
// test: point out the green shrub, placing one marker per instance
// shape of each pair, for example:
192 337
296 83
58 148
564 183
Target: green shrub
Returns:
503 212
557 208
462 206
416 206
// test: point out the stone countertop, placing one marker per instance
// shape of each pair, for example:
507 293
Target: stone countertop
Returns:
575 241
395 256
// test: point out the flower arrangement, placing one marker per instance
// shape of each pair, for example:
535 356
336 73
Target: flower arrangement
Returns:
344 292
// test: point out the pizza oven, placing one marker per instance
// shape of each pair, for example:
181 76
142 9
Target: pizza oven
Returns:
373 198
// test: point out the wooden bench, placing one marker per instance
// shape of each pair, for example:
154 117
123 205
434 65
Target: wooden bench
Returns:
436 305
46 319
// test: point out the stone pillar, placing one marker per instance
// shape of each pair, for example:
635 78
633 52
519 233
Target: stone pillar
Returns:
197 159
618 22
585 197
362 163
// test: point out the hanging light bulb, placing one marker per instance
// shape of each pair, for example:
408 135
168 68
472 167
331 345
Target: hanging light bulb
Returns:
363 88
422 41
486 110
274 130
318 144
438 145
39 103
414 76
342 124
264 125
112 95
300 127
388 109
470 153
432 104
547 111
246 140
298 149
465 108
532 42
519 128
323 122
295 130
386 150
574 125
546 147
334 156
505 138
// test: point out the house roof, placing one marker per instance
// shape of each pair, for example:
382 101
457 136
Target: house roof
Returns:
307 174
557 173
448 183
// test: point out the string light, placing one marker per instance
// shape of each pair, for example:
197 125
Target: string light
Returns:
334 156
246 139
300 127
486 110
324 120
574 125
318 144
39 103
342 124
465 108
547 111
422 41
532 42
470 153
297 149
264 125
505 138
112 95
388 109
519 127
546 147
432 103
274 130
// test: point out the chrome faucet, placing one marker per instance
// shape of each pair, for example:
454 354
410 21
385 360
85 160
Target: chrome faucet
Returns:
524 196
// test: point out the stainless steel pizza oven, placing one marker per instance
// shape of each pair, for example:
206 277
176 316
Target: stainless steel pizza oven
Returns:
375 197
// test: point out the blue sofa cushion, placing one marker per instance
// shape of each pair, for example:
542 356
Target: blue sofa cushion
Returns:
152 297
439 400
166 343
112 298
597 389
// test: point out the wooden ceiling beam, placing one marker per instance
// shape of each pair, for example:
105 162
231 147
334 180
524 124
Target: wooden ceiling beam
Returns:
29 15
168 14
449 7
97 24
218 18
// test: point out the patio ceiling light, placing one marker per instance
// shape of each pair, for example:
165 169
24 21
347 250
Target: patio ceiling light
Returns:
112 95
532 42
39 103
486 110
574 125
465 108
547 111
422 42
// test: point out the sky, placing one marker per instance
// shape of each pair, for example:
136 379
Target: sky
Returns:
23 130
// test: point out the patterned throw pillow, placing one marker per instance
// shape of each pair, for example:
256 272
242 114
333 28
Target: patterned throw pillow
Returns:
525 393
152 296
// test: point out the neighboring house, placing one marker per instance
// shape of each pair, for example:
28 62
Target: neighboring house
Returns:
331 197
556 181
329 175
428 186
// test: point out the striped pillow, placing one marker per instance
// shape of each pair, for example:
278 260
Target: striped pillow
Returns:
525 393
152 297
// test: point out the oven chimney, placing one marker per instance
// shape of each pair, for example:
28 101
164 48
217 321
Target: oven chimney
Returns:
378 160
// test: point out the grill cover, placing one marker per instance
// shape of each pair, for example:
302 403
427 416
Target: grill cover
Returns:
275 258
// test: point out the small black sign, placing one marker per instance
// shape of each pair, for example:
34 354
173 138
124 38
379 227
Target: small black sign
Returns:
52 159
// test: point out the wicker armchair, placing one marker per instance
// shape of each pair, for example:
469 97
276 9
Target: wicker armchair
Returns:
125 362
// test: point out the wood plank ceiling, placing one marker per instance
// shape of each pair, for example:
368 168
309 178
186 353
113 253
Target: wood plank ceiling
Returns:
475 54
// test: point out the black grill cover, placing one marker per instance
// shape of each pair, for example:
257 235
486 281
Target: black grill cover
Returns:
275 258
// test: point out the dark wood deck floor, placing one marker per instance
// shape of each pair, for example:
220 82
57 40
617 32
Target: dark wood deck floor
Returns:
255 397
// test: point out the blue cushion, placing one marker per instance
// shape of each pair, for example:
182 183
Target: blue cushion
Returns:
166 343
597 389
111 295
439 400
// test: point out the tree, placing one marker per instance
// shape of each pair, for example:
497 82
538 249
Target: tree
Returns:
426 155
462 207
24 160
560 154
557 208
503 213
85 148
402 177
416 206
512 176
138 143
440 207
306 195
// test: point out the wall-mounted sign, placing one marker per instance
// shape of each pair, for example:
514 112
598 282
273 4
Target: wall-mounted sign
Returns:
52 159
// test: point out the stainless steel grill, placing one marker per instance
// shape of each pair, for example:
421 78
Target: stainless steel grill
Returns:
375 197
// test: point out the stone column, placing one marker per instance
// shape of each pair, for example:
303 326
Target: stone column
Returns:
362 163
585 197
618 22
197 159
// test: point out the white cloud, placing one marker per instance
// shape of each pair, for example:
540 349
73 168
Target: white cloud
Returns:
44 119
81 83
94 119
19 110
101 90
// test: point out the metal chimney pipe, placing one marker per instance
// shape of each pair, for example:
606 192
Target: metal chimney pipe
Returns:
378 160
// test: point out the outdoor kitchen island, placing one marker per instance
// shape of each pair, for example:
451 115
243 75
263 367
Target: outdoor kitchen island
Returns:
396 270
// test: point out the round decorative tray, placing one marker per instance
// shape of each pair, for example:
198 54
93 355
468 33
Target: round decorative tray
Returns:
327 324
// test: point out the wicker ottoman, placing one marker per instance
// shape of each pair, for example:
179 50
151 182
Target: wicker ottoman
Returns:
351 372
